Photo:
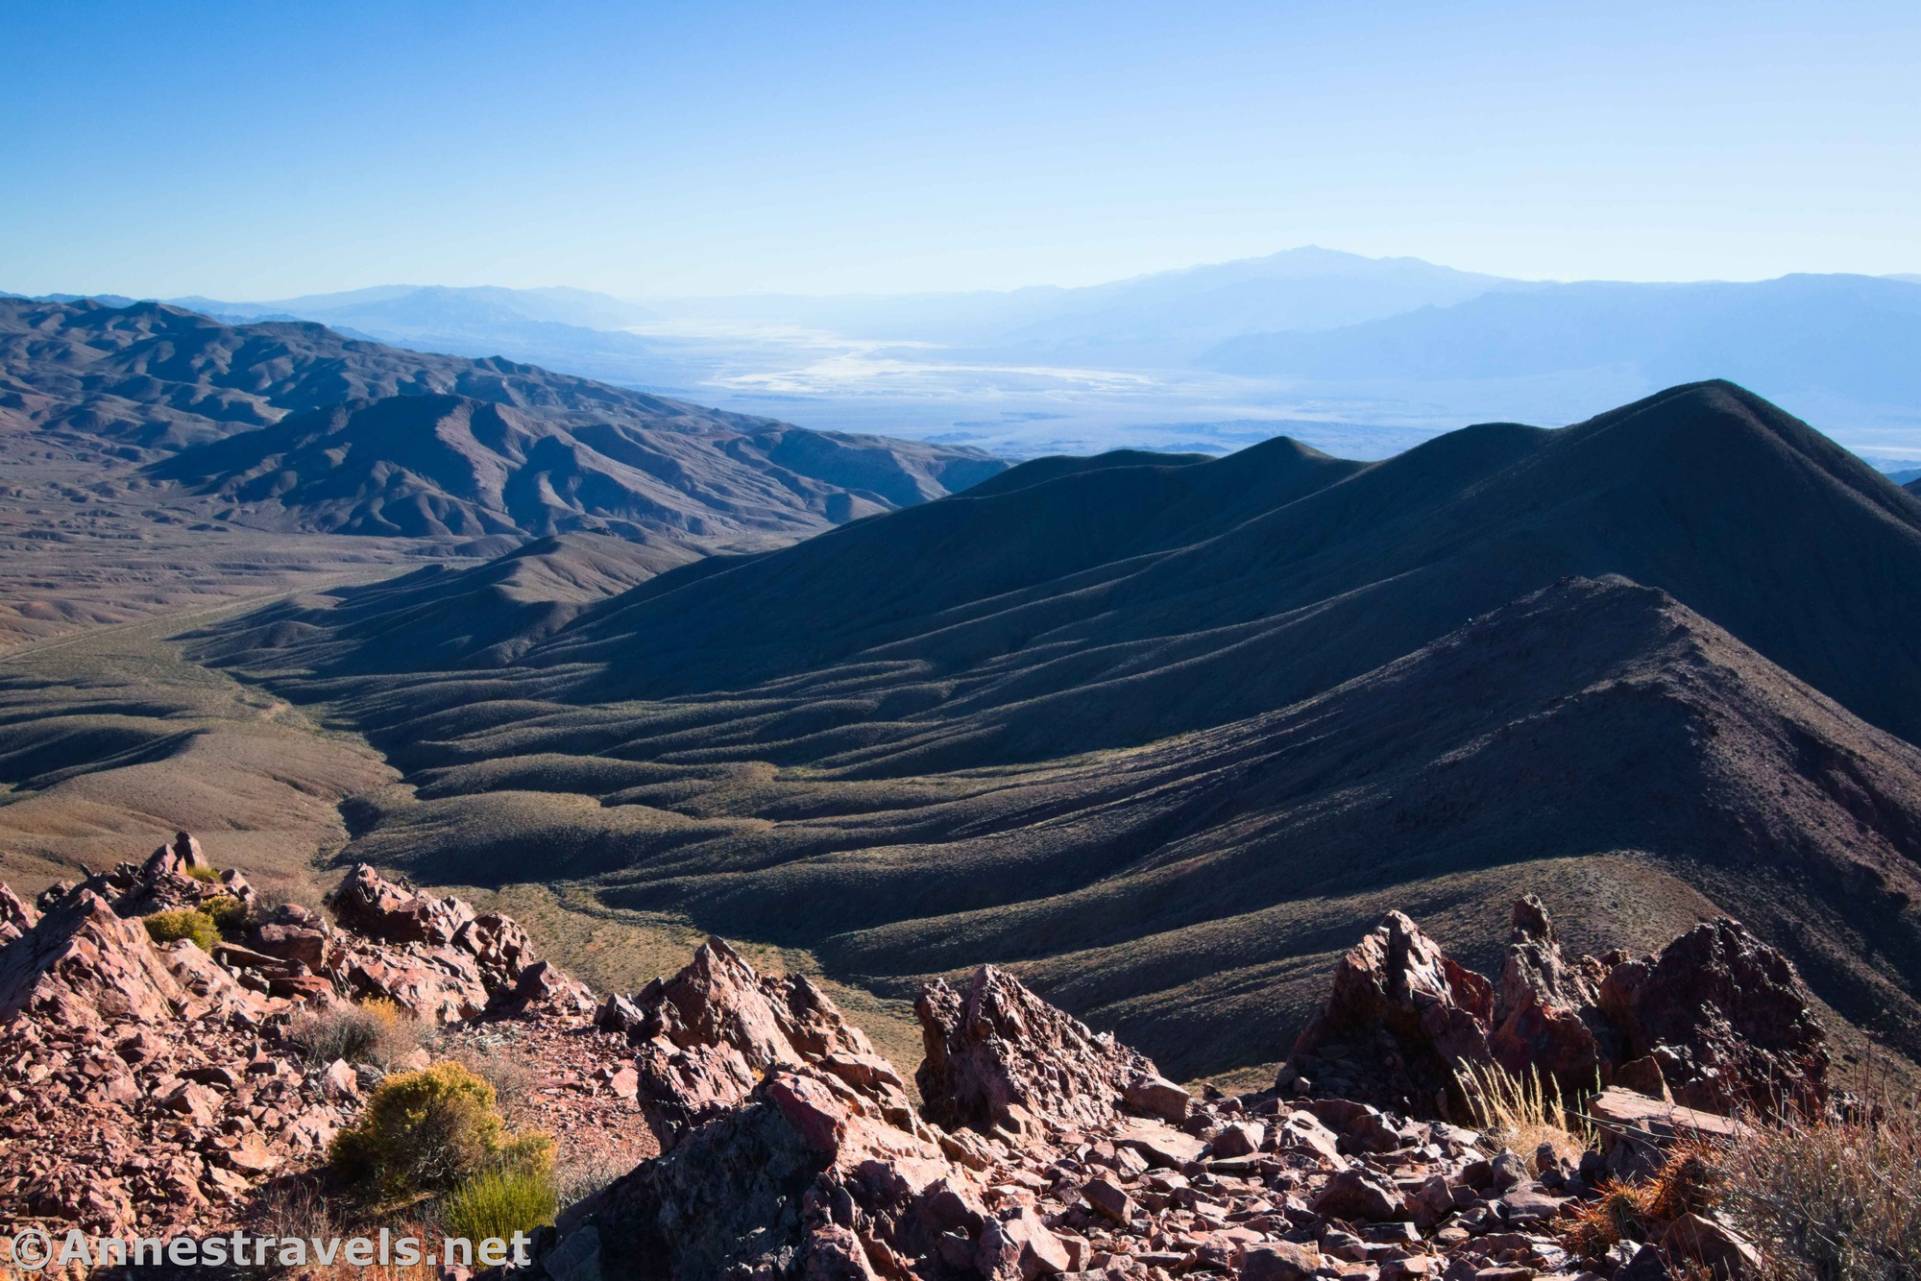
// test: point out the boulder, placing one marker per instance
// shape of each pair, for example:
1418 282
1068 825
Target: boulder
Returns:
804 1171
999 1057
371 905
83 965
294 933
705 1036
1359 1198
17 916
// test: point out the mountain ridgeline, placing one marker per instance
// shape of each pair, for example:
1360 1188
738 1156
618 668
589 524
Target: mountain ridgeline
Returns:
293 427
1163 732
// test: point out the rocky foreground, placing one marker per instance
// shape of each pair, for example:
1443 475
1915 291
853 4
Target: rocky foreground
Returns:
157 1086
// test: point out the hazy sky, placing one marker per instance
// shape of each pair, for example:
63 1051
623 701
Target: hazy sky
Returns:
261 150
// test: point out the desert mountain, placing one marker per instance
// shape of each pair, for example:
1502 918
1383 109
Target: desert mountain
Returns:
156 457
440 466
576 330
1161 732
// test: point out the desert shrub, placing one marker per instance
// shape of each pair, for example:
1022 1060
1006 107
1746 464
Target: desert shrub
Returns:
1830 1200
1524 1112
183 923
228 914
375 1031
202 872
429 1131
516 1195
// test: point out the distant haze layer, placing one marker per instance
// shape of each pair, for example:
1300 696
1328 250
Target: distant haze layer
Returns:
1364 356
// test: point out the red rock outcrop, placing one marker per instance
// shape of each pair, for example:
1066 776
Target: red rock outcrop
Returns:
1719 1019
153 1085
1546 1014
707 1035
1000 1058
1403 1014
1727 1019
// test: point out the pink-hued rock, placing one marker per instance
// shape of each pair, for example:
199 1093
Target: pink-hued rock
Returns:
371 905
17 916
1398 998
84 966
999 1057
1546 1016
705 1036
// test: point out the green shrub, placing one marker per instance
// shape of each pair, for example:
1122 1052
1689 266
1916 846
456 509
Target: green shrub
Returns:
202 872
228 914
517 1195
430 1131
183 923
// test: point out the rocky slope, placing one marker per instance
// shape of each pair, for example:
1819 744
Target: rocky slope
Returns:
157 1086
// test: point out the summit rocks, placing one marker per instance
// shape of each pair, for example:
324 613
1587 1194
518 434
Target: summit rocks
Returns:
1718 1018
1000 1057
149 1085
706 1037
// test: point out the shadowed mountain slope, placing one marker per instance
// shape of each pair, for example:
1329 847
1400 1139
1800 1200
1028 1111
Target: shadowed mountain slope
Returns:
441 617
1164 733
1214 590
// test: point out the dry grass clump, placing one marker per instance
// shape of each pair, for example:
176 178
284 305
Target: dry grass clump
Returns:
583 1174
512 1077
297 1210
1524 1112
375 1031
1835 1199
202 872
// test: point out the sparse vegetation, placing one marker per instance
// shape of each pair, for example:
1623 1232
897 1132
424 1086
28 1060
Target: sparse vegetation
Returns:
1524 1112
202 872
187 923
584 1174
228 914
1832 1199
376 1031
516 1196
1637 1210
430 1131
513 1078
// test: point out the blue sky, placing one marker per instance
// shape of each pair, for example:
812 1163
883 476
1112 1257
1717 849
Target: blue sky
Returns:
259 150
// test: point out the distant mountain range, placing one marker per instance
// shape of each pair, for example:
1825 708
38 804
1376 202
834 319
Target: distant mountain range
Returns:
152 457
1806 338
291 426
1304 335
1163 732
